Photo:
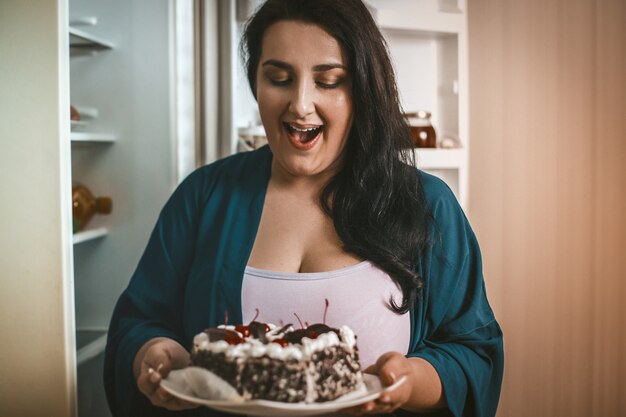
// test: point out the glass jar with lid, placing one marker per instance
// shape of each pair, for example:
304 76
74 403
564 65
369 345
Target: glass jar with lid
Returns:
422 130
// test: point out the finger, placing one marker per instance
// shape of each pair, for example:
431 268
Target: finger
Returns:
386 403
156 364
395 397
148 380
383 409
372 369
164 367
371 407
158 373
168 403
378 407
360 409
162 398
169 356
177 404
171 402
356 410
157 358
388 376
163 395
392 369
384 358
385 366
364 408
155 376
367 407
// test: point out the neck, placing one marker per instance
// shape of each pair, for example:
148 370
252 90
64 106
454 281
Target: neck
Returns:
311 185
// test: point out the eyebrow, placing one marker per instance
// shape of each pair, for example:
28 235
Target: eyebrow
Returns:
317 68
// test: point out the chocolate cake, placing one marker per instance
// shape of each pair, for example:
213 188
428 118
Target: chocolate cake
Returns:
262 361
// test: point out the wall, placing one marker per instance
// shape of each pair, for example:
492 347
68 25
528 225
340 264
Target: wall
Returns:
548 167
36 354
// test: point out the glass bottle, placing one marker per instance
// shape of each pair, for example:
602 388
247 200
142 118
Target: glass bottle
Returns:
85 205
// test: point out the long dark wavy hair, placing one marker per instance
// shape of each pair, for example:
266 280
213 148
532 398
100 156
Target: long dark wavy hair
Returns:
376 200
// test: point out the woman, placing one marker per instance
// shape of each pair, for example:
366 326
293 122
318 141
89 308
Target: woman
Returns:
329 210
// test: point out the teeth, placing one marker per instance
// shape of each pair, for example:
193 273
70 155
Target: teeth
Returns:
309 129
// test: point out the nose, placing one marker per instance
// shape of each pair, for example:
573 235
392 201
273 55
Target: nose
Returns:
301 103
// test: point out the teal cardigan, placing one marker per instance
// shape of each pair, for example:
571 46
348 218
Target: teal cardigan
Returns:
192 269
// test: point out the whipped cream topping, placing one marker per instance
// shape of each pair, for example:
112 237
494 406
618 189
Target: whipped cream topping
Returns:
255 348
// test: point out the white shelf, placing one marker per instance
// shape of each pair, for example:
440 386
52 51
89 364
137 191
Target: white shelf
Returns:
78 124
428 16
439 158
89 344
439 23
89 137
83 41
87 235
427 41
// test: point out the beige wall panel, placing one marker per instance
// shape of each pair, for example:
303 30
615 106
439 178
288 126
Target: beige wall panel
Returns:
36 303
609 311
547 180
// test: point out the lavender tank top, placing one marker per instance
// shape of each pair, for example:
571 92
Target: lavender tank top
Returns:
358 296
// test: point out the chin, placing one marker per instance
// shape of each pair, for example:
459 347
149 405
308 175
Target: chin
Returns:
311 163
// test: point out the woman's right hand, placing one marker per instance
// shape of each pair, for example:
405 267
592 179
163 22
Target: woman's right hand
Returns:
154 361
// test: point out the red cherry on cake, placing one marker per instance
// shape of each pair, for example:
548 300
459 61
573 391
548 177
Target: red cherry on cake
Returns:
254 329
229 336
233 338
281 342
243 329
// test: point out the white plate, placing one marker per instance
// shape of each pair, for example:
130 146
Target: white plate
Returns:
178 385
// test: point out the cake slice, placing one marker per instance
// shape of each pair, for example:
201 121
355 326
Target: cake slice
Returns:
313 364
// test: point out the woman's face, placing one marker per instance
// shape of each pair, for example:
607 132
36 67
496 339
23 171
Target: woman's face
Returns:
304 97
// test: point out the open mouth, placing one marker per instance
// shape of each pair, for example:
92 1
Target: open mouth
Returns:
303 135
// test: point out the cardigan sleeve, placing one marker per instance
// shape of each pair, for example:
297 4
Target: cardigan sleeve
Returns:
151 305
458 333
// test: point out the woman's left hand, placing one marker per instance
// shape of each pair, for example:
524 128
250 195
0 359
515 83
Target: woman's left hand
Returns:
390 367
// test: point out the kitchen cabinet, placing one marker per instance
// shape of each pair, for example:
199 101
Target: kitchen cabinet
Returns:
427 40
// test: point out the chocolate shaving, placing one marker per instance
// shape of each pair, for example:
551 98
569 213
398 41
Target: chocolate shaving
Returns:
320 328
284 328
258 330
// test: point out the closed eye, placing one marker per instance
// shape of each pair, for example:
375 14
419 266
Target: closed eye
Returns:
280 83
328 86
286 82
